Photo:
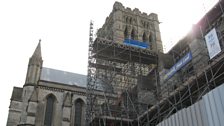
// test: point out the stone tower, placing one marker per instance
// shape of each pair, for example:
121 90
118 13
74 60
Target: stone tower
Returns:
23 103
32 77
34 67
126 24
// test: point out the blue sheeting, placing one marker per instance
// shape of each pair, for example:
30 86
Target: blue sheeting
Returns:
181 63
136 43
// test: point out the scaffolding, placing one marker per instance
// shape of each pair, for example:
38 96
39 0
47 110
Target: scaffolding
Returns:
189 92
194 83
117 70
123 74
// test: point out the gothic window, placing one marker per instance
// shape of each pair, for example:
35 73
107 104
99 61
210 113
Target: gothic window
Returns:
133 34
150 37
126 33
144 39
126 19
49 110
150 40
130 20
78 112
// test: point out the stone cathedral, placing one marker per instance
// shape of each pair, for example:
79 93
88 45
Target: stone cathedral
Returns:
49 97
130 81
52 97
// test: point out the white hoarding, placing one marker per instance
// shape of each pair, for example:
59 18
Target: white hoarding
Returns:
212 43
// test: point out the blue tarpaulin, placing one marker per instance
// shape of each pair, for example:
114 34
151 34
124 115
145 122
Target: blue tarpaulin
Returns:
136 43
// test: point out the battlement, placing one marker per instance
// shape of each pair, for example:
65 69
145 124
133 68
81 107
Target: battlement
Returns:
135 11
125 23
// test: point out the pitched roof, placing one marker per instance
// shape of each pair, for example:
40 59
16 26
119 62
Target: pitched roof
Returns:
63 77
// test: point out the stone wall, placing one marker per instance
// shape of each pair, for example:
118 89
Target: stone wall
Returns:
28 111
132 24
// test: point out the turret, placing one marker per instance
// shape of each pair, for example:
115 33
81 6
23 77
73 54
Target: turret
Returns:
29 96
34 67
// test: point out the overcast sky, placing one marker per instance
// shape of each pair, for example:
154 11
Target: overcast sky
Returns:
63 27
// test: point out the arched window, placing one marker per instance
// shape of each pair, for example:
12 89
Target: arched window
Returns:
78 112
126 33
133 34
49 110
144 39
151 41
150 37
126 19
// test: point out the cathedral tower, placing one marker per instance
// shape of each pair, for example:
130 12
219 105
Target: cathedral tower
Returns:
124 25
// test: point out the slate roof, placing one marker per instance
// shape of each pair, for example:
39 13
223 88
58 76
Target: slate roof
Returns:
63 77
